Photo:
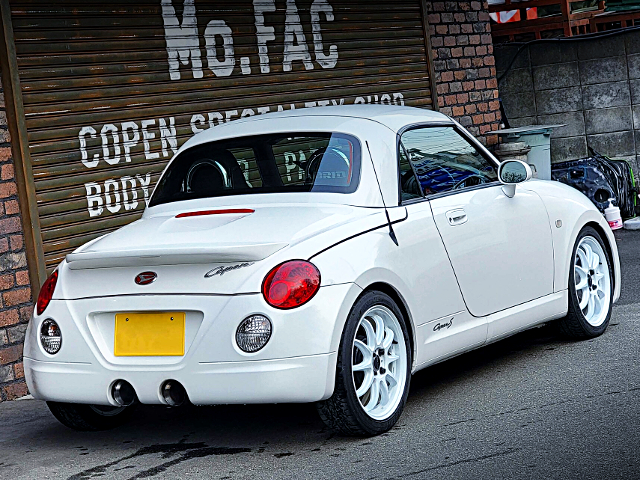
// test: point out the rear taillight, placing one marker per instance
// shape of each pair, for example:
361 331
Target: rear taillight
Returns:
291 284
46 292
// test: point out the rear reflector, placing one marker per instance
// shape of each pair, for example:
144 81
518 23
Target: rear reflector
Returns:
236 211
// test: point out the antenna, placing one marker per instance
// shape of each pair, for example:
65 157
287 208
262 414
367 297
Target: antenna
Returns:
392 234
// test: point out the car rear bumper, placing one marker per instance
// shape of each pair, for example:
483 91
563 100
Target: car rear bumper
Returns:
296 365
288 380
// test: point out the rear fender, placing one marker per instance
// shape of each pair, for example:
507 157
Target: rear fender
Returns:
424 282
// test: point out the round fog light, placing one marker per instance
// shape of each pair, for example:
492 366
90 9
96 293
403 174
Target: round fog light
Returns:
253 333
50 337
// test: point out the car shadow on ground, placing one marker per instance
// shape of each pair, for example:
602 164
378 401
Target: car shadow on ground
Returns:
159 438
517 348
252 425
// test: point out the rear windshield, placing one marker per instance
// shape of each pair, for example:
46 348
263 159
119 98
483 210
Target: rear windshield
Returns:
277 163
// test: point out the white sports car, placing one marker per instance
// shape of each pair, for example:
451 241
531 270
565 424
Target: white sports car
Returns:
316 256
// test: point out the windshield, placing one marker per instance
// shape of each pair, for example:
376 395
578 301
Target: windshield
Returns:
276 163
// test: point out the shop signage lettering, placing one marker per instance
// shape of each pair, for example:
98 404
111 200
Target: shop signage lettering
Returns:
184 43
192 52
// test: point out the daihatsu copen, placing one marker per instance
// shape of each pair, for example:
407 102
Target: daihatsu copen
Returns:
319 255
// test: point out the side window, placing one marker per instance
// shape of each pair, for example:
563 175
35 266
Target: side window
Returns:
409 187
443 160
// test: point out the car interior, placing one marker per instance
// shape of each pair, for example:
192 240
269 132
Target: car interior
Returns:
263 164
438 159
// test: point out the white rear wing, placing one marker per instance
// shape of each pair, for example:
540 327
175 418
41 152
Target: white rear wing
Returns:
173 255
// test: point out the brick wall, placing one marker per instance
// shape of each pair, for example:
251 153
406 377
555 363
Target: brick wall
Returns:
15 292
465 67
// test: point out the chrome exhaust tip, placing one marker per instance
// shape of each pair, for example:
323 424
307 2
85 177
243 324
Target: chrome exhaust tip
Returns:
173 393
123 393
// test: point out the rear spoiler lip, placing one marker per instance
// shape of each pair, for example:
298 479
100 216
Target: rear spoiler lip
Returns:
173 255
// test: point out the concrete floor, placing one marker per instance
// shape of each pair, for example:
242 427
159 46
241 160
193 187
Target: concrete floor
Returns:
532 406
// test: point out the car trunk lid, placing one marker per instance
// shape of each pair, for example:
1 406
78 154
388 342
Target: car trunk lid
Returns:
197 254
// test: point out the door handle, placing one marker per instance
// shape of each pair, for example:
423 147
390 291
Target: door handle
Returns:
456 217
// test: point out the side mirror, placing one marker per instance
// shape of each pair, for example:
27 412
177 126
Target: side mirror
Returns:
511 173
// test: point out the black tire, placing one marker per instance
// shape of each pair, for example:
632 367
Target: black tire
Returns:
88 418
342 412
575 325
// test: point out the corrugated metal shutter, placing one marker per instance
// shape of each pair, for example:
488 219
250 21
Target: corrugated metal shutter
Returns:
110 91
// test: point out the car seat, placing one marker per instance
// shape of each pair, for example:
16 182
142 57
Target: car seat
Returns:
212 176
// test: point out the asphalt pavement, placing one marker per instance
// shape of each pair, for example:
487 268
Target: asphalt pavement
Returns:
532 406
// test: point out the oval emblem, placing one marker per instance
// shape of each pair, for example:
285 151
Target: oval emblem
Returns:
145 278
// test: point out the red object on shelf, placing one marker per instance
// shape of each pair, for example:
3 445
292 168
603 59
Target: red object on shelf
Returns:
513 15
513 19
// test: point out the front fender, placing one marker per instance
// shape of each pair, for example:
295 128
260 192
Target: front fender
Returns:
597 220
569 212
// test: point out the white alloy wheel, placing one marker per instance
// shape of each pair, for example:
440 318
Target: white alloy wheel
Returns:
379 362
592 281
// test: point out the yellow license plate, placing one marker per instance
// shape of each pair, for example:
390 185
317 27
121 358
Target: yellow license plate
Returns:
149 334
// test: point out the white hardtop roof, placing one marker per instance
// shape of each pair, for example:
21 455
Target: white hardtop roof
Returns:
392 117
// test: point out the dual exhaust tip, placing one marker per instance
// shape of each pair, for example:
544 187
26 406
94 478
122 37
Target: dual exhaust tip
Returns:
172 392
123 393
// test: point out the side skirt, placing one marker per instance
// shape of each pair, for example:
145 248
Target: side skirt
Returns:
514 320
